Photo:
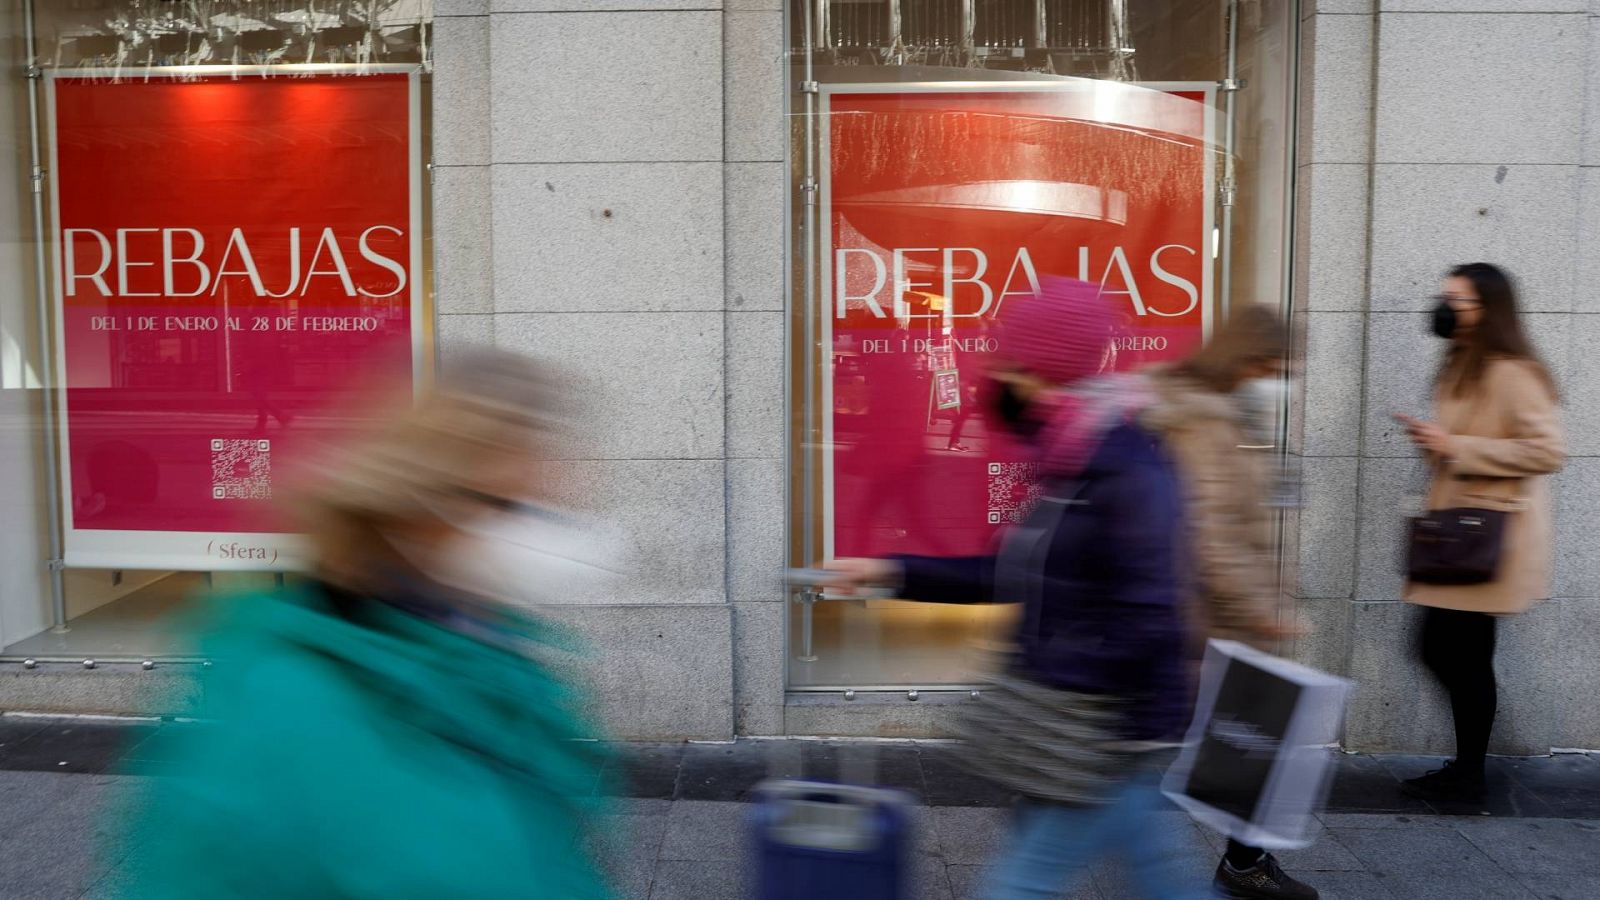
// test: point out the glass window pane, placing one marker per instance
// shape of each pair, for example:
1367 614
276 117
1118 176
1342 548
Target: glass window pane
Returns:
947 156
226 263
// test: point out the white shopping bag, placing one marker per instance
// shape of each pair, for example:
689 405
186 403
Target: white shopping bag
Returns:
1258 761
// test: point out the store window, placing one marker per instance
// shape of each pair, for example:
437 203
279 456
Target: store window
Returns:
216 259
946 155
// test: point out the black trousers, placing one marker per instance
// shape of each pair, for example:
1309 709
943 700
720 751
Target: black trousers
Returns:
1242 856
1458 648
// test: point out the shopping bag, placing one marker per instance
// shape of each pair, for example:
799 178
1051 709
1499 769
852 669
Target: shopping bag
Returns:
1259 759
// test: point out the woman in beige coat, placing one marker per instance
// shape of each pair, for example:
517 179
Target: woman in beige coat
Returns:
1227 472
1495 435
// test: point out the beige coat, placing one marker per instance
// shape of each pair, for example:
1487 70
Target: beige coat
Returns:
1507 435
1229 525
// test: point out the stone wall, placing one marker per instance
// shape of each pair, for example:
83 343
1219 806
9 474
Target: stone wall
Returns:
1435 132
608 194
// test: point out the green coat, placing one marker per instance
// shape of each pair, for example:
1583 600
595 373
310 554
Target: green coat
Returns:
395 758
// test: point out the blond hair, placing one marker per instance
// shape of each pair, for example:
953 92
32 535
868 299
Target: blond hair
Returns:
491 410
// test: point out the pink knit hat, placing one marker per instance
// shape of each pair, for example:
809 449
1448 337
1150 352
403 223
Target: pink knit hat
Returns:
1063 335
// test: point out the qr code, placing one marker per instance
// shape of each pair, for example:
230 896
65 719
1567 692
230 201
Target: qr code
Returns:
1013 489
241 469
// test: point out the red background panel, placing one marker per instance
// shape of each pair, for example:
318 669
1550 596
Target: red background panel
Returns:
147 391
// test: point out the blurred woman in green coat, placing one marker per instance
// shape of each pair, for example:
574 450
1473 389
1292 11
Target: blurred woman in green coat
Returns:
388 729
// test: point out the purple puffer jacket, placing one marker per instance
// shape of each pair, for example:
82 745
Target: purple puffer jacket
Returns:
1099 569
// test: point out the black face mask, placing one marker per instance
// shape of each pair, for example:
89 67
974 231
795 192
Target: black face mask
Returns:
1011 408
1444 320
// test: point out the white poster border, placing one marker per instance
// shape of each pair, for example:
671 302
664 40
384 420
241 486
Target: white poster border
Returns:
201 551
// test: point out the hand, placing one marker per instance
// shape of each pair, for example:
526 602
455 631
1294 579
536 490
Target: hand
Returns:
1428 436
854 575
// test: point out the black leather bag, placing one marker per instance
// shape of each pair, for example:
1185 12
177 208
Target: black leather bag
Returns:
1456 546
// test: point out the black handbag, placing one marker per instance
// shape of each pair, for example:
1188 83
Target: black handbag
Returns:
1456 546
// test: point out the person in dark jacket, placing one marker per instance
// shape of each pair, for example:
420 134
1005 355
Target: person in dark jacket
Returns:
1098 673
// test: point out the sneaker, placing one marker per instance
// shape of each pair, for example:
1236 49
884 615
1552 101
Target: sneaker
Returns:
1450 783
1263 881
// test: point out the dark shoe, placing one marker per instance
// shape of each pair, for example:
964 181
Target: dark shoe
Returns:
1263 881
1452 783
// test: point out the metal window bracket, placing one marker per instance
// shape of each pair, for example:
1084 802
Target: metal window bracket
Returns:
33 73
808 187
1232 84
1228 193
56 565
810 87
808 605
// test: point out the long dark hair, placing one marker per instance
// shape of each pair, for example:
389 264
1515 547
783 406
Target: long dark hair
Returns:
1498 335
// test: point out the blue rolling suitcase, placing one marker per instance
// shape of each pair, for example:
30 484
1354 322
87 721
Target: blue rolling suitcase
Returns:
834 841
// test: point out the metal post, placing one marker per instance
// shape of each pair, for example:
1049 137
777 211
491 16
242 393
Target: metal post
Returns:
792 43
47 391
1041 24
1286 291
810 307
1120 40
895 45
969 31
808 607
1230 87
808 312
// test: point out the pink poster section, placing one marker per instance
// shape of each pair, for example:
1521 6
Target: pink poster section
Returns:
941 206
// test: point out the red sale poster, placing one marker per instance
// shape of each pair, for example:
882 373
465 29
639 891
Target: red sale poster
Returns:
941 204
237 264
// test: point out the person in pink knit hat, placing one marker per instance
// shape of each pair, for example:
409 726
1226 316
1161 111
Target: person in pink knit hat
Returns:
1097 674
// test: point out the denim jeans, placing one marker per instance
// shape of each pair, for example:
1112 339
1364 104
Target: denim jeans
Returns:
1052 847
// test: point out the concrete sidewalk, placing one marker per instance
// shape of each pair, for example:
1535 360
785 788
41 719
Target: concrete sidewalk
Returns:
51 824
679 831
